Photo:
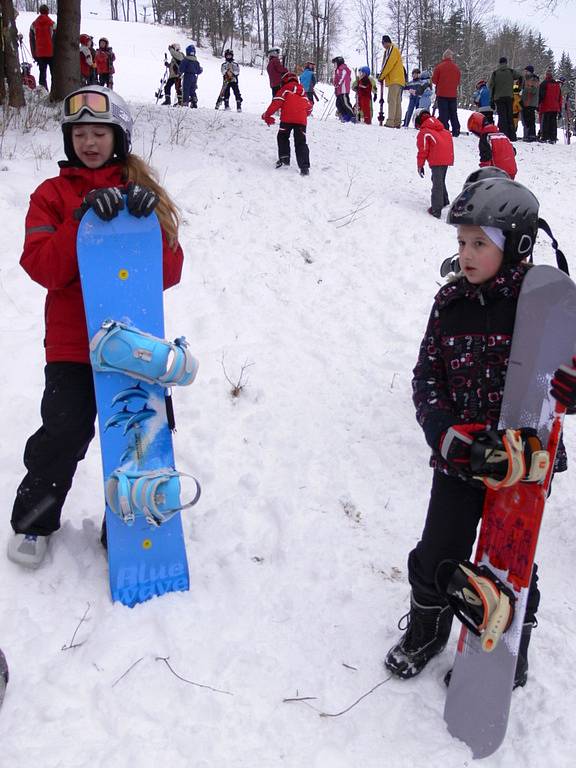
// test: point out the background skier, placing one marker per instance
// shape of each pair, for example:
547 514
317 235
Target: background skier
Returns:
393 75
42 43
275 69
176 57
190 69
366 90
104 61
494 147
295 108
342 80
230 75
436 147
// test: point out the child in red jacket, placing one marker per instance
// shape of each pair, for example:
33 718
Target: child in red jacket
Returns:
495 147
104 61
97 128
294 108
435 145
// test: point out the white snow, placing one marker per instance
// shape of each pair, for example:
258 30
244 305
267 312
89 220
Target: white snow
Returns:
315 479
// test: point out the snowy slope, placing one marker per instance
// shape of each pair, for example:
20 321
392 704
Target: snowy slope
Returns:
315 480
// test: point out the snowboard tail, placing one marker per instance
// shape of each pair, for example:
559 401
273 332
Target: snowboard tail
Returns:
121 272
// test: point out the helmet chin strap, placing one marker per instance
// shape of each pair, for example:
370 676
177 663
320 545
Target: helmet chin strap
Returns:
560 258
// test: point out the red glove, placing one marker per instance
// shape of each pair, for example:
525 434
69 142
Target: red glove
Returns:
456 444
564 385
268 119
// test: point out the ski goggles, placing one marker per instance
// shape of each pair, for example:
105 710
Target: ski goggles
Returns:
98 104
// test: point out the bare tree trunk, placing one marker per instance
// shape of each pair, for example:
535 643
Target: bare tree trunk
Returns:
66 62
10 59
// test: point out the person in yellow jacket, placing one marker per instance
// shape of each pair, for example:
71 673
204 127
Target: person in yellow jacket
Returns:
393 75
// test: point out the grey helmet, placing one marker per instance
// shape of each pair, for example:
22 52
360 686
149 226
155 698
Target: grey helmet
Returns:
99 106
487 172
500 203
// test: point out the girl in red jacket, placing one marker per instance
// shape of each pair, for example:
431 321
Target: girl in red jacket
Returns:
97 128
104 62
294 108
435 145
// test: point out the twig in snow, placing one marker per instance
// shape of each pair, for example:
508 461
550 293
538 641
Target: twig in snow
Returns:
72 644
239 385
299 698
130 668
364 695
349 666
190 682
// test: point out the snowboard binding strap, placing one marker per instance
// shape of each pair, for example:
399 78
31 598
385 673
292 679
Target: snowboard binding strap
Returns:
502 459
153 495
481 601
120 348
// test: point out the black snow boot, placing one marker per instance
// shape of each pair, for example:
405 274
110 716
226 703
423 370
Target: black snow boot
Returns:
166 102
427 633
521 673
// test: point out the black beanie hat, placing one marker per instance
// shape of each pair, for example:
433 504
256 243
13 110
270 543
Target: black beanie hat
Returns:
503 60
386 39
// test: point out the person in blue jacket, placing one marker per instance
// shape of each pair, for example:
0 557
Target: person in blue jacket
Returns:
420 89
481 99
308 80
426 91
190 69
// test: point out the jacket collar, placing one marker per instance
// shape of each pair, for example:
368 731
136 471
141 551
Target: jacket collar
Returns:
506 284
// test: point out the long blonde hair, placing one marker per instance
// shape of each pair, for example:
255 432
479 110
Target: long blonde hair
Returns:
138 171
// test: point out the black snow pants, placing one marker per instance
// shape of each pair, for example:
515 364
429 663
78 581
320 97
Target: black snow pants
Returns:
300 146
449 533
52 454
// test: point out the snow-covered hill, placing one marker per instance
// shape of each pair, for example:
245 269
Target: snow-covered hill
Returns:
315 479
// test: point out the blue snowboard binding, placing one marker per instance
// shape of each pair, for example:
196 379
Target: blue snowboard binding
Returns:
154 495
121 348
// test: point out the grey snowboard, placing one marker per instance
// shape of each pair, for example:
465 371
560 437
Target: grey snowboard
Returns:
480 691
3 676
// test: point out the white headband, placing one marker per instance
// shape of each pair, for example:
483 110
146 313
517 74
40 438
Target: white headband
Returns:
496 235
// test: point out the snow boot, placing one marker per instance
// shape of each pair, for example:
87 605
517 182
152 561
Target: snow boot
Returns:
166 102
521 674
304 171
27 550
282 162
427 632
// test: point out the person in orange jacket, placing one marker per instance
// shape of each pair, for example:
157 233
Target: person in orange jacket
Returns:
295 107
42 44
494 146
435 145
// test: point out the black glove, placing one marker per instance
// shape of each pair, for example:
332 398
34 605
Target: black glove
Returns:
375 97
456 445
140 201
421 171
106 203
564 385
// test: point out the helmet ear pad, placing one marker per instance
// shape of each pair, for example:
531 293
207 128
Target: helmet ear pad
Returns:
518 246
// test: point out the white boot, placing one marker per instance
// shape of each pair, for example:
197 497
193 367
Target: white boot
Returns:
27 550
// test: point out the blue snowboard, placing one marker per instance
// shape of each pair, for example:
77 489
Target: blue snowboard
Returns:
120 265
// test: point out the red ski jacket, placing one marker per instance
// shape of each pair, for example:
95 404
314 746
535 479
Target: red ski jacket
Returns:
496 150
434 144
446 78
293 104
550 96
49 256
41 33
103 61
275 70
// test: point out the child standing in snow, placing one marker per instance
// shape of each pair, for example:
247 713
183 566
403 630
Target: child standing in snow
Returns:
308 80
104 61
495 148
97 128
176 57
366 91
190 69
230 75
295 108
435 145
458 387
86 61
